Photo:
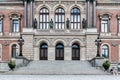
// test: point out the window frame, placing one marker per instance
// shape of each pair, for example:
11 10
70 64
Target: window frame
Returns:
44 21
105 48
75 22
14 25
59 18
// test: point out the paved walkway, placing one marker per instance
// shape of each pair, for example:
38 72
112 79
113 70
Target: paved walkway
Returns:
59 77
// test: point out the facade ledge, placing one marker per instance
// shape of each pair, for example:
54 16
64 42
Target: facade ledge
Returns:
105 34
14 34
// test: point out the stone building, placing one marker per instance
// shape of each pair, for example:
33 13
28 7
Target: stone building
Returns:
60 29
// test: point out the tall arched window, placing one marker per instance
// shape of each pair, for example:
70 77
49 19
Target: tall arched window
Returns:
75 52
44 18
59 52
14 51
43 51
59 18
75 18
105 51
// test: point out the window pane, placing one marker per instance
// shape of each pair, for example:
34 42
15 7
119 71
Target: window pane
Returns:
75 18
0 25
16 25
44 18
59 16
105 52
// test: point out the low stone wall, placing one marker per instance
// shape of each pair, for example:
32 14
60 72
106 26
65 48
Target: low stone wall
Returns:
21 61
97 61
4 66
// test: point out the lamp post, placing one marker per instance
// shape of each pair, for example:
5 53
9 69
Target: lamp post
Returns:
97 43
20 42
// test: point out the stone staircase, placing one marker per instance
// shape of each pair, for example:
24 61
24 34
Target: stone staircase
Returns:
58 67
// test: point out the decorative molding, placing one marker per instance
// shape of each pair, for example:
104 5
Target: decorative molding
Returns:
52 3
5 43
114 44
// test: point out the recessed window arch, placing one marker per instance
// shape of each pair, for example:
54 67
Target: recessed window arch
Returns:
14 51
75 18
59 53
44 18
105 51
75 51
15 21
43 51
59 18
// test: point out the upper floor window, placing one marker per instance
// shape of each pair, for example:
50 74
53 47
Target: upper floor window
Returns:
104 25
15 25
44 18
15 22
105 22
14 51
1 22
0 25
105 51
75 18
118 16
59 18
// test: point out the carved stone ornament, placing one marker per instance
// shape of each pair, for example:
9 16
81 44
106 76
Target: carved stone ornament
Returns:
5 43
114 44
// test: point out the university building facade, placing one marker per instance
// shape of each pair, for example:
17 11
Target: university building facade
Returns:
60 29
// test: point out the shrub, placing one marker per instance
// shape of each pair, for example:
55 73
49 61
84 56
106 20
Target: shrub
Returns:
11 64
106 65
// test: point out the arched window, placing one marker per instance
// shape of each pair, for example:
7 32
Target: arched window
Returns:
14 51
59 52
105 51
59 18
75 52
44 18
75 18
43 51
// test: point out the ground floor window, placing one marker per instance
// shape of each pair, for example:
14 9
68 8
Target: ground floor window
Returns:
14 51
105 51
59 54
43 51
75 52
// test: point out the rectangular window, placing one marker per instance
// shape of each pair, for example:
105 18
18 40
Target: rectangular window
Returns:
104 26
0 25
15 25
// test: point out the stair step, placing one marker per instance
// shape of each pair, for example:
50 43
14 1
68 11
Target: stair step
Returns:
58 67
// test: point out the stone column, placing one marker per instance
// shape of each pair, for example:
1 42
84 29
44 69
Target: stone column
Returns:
67 53
51 53
94 13
25 13
31 13
88 13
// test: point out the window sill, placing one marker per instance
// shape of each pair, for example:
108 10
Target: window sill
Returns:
14 34
105 34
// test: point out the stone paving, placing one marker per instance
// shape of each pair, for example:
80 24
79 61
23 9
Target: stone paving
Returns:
59 77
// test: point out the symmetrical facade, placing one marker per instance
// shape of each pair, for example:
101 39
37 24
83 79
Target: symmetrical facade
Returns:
60 29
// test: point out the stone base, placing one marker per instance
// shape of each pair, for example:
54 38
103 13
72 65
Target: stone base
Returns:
97 61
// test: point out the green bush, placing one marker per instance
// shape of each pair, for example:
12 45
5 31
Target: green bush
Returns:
106 65
11 64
